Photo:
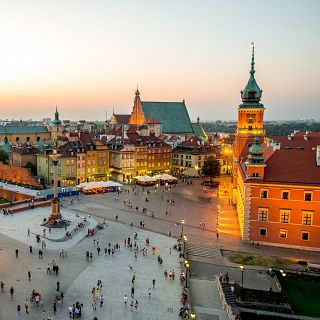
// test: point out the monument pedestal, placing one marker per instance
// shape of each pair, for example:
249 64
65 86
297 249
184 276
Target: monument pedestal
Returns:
55 210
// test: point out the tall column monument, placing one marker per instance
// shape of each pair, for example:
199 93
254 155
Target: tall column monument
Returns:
55 206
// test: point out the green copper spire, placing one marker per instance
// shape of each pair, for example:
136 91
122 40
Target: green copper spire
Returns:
56 120
252 92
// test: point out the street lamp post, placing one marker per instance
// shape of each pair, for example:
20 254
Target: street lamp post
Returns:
187 265
184 244
242 271
182 225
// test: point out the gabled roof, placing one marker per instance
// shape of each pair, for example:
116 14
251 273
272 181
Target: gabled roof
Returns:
173 116
122 118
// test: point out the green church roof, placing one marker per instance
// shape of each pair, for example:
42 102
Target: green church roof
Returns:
173 116
23 129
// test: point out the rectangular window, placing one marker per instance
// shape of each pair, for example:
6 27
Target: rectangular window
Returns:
284 216
264 194
305 235
283 233
307 218
308 196
263 214
262 232
285 195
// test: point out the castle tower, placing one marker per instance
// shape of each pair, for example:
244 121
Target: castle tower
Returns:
255 165
56 129
250 116
137 114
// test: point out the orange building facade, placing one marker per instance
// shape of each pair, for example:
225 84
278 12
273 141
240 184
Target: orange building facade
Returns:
276 181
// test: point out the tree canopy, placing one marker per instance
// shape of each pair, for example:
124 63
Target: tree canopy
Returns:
211 168
4 157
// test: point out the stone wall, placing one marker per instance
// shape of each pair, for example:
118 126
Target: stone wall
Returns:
17 175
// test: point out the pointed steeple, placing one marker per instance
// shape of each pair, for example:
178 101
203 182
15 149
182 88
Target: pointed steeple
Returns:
252 92
137 114
56 120
137 92
198 119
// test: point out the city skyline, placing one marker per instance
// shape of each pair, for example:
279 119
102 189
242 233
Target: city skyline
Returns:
88 58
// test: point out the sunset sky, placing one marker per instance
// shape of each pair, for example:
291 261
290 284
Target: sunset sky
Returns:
87 56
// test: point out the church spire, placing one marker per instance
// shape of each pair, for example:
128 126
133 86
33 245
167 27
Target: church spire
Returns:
56 120
137 114
252 71
252 92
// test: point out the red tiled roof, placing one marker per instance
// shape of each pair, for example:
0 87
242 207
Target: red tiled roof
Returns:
122 118
297 140
152 120
292 166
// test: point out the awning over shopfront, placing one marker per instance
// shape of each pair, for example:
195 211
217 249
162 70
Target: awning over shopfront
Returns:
99 187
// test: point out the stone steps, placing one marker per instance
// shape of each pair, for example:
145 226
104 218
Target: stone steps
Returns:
193 249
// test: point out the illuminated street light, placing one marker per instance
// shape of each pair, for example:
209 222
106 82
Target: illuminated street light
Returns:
242 271
184 244
187 265
192 315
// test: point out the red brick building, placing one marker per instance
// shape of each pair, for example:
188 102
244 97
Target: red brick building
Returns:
276 180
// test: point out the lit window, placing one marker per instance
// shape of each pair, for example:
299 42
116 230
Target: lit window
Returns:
285 195
263 214
264 194
305 235
284 216
262 232
308 196
283 233
307 218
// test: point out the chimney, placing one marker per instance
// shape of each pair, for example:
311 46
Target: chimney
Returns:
276 146
289 137
318 156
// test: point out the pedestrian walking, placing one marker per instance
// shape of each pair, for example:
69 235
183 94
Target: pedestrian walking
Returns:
17 253
58 285
131 305
101 300
125 300
26 306
94 305
98 250
19 310
136 305
149 293
153 283
29 275
30 249
132 292
54 307
11 292
70 310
